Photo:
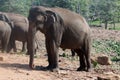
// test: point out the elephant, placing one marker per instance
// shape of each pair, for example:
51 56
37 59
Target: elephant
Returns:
5 32
62 28
19 30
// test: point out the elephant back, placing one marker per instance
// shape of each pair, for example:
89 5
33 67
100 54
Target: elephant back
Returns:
3 23
16 17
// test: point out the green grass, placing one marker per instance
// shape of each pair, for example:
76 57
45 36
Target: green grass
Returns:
95 23
110 26
107 47
117 26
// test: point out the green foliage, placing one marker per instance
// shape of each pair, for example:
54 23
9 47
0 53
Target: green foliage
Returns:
97 22
95 63
64 55
117 27
107 46
100 46
104 11
115 46
115 58
16 6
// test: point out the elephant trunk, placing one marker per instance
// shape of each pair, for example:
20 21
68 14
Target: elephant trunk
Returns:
31 44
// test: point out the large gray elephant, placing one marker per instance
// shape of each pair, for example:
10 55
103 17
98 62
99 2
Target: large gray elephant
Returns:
5 32
62 28
19 30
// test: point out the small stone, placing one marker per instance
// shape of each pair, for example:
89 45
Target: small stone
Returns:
27 74
59 61
63 72
1 58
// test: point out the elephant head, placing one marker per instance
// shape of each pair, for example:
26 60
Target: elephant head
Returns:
43 20
38 19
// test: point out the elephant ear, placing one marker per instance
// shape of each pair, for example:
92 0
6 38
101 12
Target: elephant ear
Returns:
51 16
6 18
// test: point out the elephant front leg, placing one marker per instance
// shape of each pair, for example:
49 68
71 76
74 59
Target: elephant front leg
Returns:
52 50
31 61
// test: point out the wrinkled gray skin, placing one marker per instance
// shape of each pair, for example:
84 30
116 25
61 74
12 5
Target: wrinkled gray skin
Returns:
19 30
5 32
62 28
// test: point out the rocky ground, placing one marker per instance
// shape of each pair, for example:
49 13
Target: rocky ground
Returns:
15 66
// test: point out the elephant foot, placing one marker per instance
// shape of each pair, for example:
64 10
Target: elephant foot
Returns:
53 69
32 66
81 69
89 70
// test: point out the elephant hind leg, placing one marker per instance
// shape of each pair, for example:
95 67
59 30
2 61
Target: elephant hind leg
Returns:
5 41
84 54
87 54
85 62
14 46
6 38
3 45
80 53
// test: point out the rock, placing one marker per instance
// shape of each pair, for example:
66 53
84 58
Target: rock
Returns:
27 74
63 72
104 60
93 59
101 59
1 58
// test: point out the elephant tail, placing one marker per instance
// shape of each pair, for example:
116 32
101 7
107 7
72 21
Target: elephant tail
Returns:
88 44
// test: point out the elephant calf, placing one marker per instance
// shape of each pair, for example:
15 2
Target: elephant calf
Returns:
5 32
62 28
19 29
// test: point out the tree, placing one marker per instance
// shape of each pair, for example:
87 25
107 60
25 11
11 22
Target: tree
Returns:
103 10
16 6
83 7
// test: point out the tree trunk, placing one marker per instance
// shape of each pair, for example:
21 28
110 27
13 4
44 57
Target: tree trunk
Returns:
113 24
106 24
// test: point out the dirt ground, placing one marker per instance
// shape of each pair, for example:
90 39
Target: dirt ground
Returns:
15 66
